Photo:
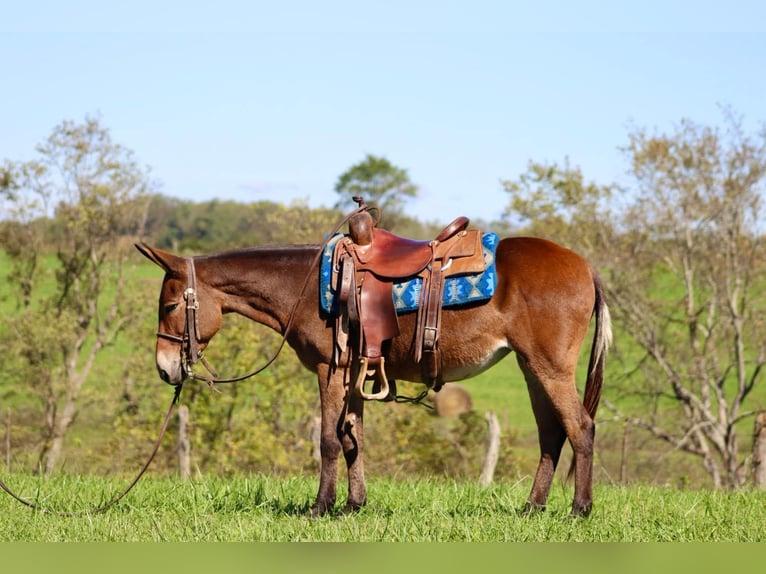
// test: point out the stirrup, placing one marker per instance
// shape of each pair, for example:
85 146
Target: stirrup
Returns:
380 377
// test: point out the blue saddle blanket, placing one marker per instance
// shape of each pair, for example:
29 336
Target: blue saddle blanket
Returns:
458 289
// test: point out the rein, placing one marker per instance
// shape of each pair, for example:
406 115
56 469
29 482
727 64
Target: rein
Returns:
125 491
189 342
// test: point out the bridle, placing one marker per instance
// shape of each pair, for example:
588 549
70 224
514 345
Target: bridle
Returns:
190 340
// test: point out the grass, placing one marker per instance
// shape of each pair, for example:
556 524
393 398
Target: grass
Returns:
259 508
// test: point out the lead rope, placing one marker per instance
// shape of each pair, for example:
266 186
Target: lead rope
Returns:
121 495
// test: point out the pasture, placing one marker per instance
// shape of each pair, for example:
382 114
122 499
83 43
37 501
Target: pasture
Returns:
266 509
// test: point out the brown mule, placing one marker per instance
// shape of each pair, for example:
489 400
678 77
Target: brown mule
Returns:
545 298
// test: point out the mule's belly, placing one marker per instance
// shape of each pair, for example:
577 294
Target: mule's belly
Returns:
459 362
462 370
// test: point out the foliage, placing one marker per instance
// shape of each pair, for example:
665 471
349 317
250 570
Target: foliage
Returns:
215 225
94 189
379 183
408 440
693 300
262 424
558 203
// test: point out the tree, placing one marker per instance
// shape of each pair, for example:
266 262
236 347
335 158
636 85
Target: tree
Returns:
94 192
380 183
692 294
556 201
685 268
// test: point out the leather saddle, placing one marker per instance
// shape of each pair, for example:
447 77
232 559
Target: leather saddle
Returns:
369 261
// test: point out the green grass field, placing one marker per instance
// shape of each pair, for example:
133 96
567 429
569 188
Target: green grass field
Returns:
259 508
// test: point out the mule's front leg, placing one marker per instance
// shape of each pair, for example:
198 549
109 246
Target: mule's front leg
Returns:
332 398
352 439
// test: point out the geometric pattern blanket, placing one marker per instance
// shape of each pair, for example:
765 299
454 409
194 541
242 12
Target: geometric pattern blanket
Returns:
458 289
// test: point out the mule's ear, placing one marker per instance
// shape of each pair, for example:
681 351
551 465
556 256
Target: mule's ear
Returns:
169 262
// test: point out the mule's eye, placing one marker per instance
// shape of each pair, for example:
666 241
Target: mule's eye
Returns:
170 307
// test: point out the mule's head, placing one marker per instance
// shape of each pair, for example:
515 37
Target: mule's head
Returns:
189 315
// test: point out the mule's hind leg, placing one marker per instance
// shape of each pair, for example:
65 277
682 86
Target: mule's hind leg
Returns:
560 415
551 437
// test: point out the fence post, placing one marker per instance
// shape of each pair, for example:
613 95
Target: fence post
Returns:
759 451
184 444
624 453
493 449
316 439
8 440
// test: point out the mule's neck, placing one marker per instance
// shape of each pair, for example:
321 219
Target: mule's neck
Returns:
262 284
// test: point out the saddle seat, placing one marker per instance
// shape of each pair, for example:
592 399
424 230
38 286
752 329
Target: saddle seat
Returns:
370 260
391 256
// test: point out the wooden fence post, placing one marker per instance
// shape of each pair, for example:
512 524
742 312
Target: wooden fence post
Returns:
8 440
759 451
624 453
493 449
184 444
316 439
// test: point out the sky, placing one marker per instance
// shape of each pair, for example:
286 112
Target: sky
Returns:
265 100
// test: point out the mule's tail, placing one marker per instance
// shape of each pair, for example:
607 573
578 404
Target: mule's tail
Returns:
602 339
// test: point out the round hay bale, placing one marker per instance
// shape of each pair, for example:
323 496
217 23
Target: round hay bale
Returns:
452 400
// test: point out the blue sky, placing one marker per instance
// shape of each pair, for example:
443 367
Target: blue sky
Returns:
274 100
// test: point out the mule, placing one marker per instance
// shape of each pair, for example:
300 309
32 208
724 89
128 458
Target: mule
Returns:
545 299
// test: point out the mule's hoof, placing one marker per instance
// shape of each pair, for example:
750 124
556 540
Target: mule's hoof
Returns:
318 509
531 508
315 512
351 508
581 510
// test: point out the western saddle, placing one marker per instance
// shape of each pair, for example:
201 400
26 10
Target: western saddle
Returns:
368 261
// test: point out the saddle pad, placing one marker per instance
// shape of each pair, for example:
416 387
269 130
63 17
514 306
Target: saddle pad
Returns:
458 289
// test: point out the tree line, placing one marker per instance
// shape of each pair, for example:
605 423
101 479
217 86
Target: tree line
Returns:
680 248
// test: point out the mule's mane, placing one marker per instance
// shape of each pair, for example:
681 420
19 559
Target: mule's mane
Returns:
261 251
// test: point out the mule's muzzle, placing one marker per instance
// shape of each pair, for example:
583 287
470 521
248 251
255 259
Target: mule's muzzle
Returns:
171 372
164 376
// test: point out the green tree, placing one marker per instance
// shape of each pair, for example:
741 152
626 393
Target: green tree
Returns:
380 183
94 192
557 202
692 294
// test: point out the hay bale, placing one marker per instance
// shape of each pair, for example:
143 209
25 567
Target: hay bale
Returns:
452 400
